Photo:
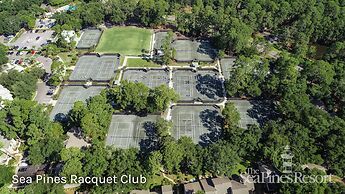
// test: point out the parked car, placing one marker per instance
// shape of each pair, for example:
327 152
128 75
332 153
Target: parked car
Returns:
50 92
46 77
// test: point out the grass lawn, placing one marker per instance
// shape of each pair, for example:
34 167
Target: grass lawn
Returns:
67 57
125 40
139 62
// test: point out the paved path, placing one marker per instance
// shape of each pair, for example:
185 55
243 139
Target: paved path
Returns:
152 45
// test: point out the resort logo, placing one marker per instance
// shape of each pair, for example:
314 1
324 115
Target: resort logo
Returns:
286 159
287 169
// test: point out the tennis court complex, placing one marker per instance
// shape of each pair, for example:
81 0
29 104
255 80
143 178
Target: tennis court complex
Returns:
226 65
201 123
244 107
69 95
150 78
89 38
204 85
94 67
188 50
130 130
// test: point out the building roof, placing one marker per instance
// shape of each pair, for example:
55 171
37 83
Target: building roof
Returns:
206 184
167 189
5 94
140 192
74 141
190 188
248 181
238 188
4 142
222 184
220 181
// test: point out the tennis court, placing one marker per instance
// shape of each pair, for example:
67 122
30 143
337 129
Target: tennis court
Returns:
204 85
89 39
127 131
188 50
151 78
201 123
159 39
226 65
94 67
245 108
69 95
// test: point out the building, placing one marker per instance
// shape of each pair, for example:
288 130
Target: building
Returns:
166 189
219 185
69 35
24 172
5 94
9 148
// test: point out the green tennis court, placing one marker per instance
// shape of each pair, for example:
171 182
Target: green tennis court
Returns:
125 40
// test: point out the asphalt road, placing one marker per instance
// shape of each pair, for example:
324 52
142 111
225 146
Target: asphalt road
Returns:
41 96
47 62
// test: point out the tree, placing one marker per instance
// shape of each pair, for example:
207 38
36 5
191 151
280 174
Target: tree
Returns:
96 162
154 162
92 14
172 156
96 120
283 77
42 187
76 114
163 128
26 120
3 54
192 160
21 84
120 11
130 96
234 36
312 187
160 98
220 158
72 161
231 116
320 76
125 161
138 97
247 76
167 49
6 173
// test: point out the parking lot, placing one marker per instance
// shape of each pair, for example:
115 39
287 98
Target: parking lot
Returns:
33 40
44 23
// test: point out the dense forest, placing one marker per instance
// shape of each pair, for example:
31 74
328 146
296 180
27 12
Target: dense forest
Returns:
306 88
